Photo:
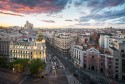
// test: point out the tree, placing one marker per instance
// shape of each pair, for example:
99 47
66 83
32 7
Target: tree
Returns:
1 61
36 67
95 37
19 65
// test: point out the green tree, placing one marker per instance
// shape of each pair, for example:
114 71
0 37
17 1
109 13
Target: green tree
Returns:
2 61
19 65
36 67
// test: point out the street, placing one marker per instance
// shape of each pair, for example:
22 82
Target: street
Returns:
54 72
59 70
83 76
57 75
8 77
70 68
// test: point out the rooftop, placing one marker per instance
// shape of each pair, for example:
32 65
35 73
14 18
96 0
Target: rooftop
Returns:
105 34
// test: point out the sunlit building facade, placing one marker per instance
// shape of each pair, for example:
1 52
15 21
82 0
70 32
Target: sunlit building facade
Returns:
28 50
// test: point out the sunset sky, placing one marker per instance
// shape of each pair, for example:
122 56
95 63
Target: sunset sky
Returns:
63 13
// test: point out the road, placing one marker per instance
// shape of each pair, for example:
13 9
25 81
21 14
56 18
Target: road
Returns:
54 70
57 75
85 79
59 70
9 77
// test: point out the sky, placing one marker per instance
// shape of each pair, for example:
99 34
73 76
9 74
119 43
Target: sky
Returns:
63 13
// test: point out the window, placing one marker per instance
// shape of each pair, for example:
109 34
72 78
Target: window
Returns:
116 70
84 60
123 66
109 66
122 50
93 57
116 63
101 63
116 59
123 55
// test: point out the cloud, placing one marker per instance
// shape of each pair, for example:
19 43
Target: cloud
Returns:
49 21
55 16
79 2
104 11
106 15
76 20
84 24
99 3
14 14
120 20
69 20
33 6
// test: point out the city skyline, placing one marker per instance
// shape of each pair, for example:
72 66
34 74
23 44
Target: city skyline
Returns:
63 13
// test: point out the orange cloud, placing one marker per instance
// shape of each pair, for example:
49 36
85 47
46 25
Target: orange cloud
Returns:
33 6
14 14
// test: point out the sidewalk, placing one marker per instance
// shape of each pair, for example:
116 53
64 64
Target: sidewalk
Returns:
8 71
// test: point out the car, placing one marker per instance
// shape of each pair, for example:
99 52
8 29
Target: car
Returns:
53 68
75 75
55 63
61 67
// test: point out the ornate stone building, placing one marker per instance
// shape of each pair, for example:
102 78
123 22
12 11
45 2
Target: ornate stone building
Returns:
28 49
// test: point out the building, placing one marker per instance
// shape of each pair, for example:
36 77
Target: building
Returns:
103 40
4 48
28 25
21 50
62 41
118 51
111 62
82 39
94 60
39 47
120 34
28 49
77 55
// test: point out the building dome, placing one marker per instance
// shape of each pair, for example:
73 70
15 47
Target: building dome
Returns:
39 37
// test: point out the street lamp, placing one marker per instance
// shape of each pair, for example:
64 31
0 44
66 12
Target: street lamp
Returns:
13 69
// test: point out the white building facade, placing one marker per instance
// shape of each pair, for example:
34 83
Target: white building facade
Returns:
62 41
27 50
77 55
